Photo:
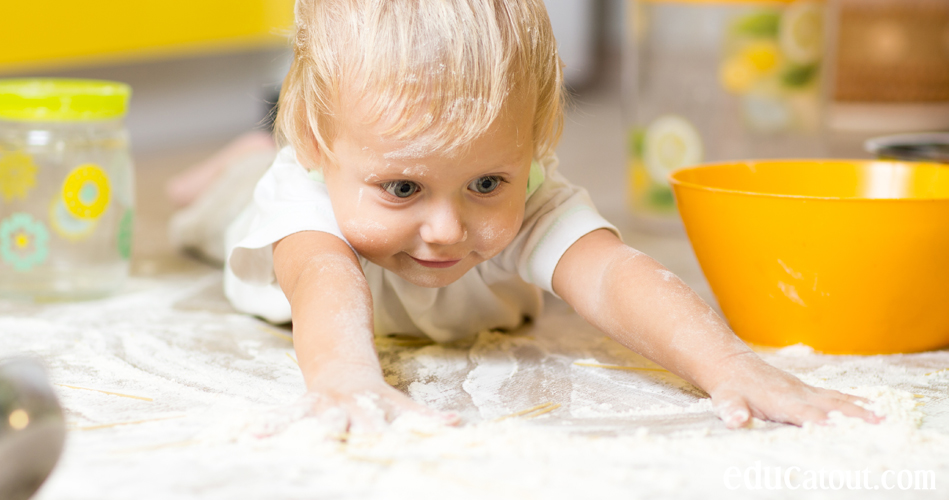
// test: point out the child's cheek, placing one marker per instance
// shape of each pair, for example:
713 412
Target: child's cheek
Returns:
495 233
370 237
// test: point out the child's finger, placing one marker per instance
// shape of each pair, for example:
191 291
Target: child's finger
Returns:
852 410
335 420
844 397
327 411
403 405
734 411
445 417
806 413
854 399
364 422
848 405
449 417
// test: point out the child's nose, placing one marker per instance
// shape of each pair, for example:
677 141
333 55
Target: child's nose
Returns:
443 226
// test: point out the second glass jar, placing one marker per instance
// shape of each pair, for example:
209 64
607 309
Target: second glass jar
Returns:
709 81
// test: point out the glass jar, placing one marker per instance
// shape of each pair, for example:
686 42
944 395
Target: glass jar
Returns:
708 80
66 188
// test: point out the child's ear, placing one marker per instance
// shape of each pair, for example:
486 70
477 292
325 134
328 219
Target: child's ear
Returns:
310 158
308 149
308 154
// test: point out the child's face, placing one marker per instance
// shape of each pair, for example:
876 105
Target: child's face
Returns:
425 215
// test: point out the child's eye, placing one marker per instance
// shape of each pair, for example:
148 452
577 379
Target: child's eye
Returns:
401 189
486 184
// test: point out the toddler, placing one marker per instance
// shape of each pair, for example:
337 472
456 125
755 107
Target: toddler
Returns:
417 193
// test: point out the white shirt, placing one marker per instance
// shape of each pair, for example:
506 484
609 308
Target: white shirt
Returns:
497 293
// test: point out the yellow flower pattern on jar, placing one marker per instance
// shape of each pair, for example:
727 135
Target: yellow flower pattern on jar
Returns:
17 175
86 191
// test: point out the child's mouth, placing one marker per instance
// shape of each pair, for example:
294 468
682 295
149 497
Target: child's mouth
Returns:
438 264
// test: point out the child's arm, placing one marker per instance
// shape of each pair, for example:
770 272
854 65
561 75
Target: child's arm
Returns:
645 307
331 307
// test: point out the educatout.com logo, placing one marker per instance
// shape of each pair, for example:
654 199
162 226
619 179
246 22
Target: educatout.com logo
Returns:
758 477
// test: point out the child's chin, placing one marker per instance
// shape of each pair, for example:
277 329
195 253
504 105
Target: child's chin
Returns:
431 278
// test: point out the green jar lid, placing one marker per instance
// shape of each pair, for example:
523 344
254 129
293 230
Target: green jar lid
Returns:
60 99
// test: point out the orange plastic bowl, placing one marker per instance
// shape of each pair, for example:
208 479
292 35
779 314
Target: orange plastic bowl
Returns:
843 256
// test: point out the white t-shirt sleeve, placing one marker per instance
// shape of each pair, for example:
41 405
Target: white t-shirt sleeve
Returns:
287 200
556 216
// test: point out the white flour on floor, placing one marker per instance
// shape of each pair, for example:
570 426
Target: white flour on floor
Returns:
219 412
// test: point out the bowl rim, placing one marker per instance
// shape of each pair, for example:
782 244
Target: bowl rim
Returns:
675 182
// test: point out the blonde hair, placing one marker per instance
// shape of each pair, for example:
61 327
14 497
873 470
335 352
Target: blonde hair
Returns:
441 69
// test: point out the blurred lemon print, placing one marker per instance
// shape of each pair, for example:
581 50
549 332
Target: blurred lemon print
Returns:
771 61
670 142
762 55
801 32
67 225
756 60
17 175
737 75
86 191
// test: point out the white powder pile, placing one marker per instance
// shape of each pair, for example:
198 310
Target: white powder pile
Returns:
225 419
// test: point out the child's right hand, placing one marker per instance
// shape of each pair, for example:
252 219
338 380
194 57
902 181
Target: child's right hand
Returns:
356 402
331 306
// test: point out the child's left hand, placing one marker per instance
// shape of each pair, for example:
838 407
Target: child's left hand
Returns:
752 388
642 305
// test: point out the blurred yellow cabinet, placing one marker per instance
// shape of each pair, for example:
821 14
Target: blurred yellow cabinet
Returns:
36 34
